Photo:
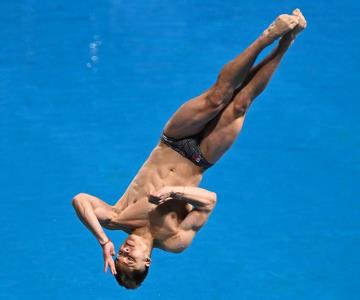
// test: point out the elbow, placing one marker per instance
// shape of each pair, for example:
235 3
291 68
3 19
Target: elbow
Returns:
213 200
78 200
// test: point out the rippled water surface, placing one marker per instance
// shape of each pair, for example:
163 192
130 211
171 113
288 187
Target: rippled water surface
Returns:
85 89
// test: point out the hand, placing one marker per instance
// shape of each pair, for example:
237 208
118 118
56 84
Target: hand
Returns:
161 196
108 252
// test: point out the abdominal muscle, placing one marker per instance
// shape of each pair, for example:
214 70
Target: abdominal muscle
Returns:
164 167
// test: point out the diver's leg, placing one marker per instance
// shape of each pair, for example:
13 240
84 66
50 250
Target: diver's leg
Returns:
222 131
302 24
192 117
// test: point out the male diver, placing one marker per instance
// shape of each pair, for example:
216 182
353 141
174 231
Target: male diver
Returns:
163 207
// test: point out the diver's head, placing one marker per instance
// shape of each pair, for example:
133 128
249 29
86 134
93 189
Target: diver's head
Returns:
132 262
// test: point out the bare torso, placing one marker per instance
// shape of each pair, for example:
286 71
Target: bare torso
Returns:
164 167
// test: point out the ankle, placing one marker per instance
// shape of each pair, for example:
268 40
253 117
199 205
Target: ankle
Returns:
265 39
285 42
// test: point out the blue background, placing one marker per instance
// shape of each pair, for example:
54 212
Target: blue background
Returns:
85 89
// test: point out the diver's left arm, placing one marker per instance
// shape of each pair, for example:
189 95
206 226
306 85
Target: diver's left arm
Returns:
201 199
203 202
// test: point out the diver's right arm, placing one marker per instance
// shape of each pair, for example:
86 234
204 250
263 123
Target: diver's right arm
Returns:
94 214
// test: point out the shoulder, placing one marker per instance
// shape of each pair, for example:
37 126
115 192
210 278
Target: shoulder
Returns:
178 242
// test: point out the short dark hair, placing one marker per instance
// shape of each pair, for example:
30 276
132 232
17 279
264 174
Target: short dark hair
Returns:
131 280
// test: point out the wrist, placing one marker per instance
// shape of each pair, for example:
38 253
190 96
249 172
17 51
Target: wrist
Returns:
104 242
178 192
182 193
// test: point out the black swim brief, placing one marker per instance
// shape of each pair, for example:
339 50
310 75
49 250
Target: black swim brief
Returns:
189 148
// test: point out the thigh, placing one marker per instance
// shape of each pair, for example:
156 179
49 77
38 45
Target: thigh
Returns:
221 133
193 116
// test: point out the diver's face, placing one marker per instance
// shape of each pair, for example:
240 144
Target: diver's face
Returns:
134 254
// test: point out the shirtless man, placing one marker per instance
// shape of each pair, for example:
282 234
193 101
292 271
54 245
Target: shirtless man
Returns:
163 207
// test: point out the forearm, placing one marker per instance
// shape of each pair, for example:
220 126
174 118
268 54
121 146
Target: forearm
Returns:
200 198
86 214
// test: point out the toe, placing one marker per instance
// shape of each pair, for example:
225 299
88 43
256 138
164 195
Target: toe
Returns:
302 20
292 25
295 20
296 12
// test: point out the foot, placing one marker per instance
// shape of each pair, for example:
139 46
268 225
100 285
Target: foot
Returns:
302 22
290 36
282 25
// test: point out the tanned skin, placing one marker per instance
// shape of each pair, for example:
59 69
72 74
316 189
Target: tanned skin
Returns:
163 207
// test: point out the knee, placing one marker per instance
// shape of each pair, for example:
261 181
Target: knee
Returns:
220 95
241 105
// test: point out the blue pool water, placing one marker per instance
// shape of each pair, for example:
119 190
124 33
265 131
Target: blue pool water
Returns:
85 89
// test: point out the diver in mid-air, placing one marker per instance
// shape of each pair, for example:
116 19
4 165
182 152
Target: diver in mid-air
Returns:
163 207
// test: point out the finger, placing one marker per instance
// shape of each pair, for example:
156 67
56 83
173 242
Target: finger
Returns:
112 267
153 199
155 194
105 266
